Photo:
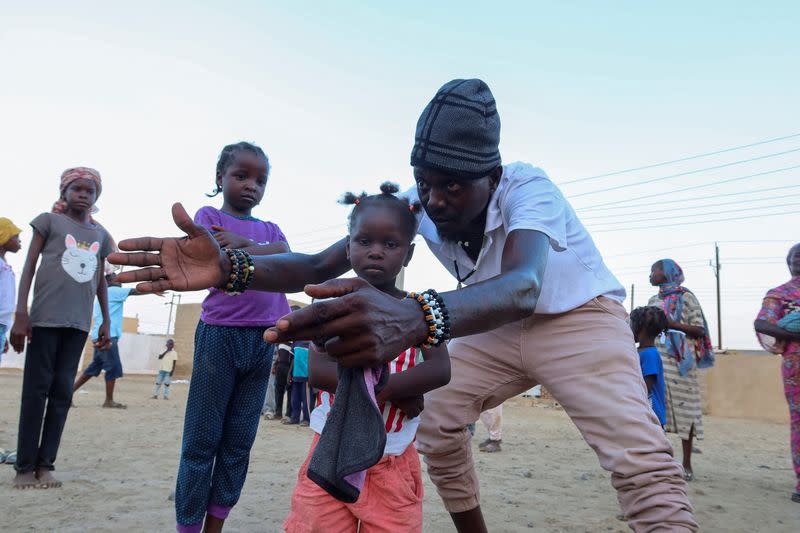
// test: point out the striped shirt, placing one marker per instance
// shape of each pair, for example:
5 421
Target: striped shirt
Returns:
400 430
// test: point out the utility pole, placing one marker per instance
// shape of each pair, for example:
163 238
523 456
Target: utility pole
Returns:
716 266
633 294
172 305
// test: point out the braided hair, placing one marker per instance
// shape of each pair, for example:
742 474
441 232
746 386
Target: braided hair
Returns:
386 198
651 318
228 156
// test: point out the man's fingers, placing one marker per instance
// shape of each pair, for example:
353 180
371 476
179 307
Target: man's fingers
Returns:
149 287
142 274
217 228
308 318
141 259
335 288
145 244
185 222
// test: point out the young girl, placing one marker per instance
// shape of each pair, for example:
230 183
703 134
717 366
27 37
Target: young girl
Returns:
231 360
73 247
379 246
647 323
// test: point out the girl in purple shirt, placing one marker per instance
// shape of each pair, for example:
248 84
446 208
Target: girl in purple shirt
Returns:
232 362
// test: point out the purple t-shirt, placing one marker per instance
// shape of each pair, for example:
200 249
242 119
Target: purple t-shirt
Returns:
251 308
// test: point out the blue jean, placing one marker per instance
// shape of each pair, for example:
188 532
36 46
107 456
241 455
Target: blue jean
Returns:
299 400
226 393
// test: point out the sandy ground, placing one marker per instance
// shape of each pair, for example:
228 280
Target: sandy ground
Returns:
118 469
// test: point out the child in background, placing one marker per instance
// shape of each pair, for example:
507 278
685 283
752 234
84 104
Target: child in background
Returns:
382 228
232 362
108 361
281 367
298 381
73 248
9 242
647 323
167 361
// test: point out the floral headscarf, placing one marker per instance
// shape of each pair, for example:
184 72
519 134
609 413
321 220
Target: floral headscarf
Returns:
72 174
671 292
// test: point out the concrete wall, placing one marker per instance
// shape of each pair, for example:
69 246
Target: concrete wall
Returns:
186 318
746 385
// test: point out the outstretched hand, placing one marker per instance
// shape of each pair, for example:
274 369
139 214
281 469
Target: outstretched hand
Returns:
360 326
189 263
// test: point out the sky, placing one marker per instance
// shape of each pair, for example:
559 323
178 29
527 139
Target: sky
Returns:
149 94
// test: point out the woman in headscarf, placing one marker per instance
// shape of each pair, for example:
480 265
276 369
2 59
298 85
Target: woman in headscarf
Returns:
686 347
778 331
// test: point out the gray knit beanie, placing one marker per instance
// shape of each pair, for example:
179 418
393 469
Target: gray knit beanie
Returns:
459 130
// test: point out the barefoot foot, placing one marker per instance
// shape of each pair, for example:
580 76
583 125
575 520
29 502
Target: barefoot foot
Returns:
25 480
115 405
46 480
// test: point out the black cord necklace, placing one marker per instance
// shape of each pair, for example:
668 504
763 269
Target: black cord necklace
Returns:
458 275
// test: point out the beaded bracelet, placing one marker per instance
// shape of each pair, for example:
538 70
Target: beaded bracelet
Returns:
436 316
242 272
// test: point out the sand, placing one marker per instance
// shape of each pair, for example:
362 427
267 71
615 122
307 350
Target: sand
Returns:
119 467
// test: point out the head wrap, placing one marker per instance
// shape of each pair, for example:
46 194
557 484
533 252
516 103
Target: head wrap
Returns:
459 130
671 292
72 174
793 260
7 230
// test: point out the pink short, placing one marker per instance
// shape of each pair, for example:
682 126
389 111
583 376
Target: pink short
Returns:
391 500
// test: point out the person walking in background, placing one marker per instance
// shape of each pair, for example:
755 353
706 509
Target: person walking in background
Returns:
9 243
72 247
687 347
298 380
281 368
492 420
166 368
778 329
108 361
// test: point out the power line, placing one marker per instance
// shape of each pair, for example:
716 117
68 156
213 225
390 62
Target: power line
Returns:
680 160
687 173
658 226
723 212
695 187
695 199
702 206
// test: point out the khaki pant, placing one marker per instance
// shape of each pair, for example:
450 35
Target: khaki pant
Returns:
587 360
493 422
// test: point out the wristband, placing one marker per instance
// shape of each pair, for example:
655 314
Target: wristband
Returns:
242 272
436 317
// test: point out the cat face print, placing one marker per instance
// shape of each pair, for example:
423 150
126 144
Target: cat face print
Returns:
79 261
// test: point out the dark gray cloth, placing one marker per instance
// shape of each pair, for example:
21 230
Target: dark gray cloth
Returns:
67 277
459 130
354 436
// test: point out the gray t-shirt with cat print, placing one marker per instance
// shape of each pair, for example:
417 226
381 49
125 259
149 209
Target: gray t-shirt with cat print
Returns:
66 280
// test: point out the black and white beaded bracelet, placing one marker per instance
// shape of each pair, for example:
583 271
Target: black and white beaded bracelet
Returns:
436 316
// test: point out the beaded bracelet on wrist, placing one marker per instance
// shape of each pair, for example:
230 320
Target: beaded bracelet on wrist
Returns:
242 272
436 317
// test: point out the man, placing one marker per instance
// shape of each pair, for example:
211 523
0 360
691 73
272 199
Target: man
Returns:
540 306
108 361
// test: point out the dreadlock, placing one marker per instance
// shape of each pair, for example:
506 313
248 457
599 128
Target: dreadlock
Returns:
386 198
228 156
652 319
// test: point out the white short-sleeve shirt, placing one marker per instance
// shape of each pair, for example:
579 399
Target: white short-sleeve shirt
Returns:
526 199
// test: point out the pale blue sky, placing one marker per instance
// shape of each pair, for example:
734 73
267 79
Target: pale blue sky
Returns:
149 94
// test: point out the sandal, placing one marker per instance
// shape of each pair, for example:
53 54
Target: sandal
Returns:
115 405
796 497
288 421
688 476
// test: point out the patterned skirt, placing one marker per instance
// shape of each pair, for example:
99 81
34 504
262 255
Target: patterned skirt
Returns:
684 406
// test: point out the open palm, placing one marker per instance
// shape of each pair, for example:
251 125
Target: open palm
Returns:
190 263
